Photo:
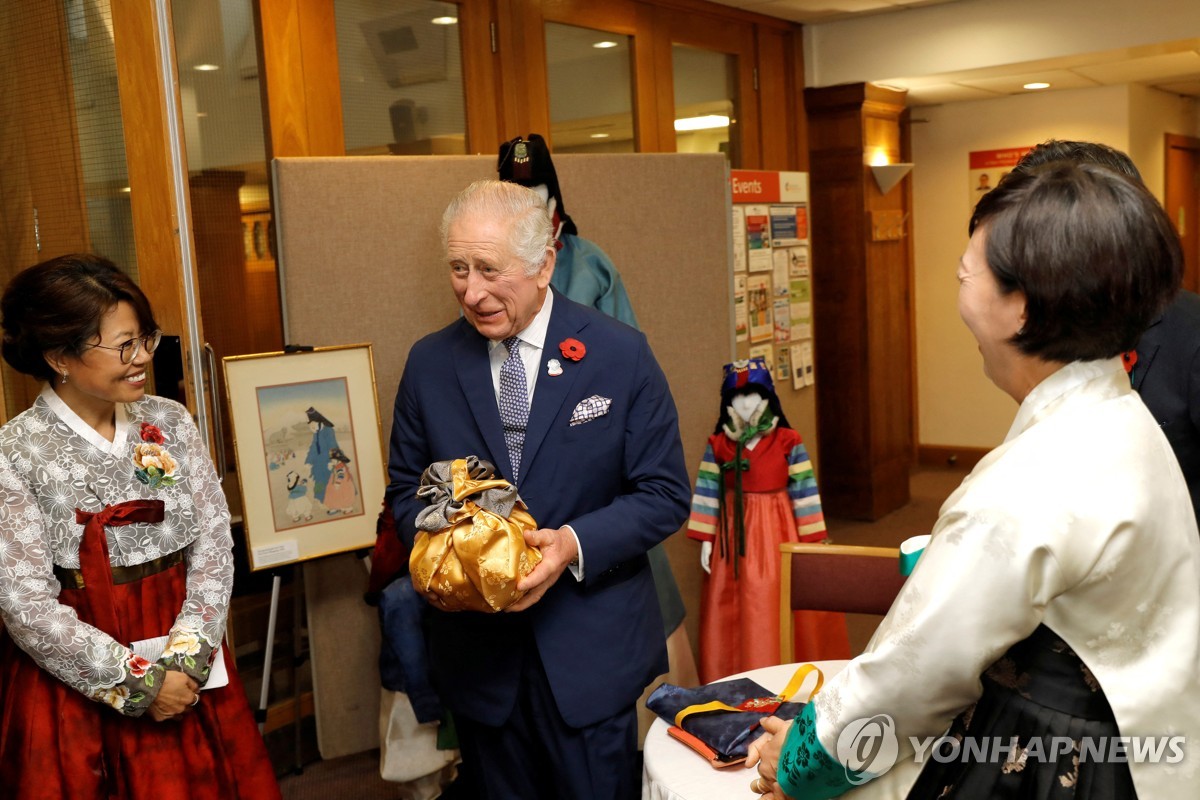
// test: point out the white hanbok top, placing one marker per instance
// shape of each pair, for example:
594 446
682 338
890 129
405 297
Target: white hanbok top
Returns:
52 463
1081 520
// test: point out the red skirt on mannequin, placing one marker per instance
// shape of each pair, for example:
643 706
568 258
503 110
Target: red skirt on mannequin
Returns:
739 617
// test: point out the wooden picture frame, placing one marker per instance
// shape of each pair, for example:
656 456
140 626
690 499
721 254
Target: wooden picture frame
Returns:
309 450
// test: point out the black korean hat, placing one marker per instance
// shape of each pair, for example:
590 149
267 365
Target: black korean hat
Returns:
527 162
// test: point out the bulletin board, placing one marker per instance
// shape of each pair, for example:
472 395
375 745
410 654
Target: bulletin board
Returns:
361 261
772 287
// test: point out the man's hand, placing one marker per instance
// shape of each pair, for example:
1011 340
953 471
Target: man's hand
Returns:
558 550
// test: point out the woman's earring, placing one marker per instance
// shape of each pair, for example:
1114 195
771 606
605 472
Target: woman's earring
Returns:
64 380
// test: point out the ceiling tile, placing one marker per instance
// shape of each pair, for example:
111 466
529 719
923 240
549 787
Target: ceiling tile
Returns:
1014 84
937 94
1189 88
1140 70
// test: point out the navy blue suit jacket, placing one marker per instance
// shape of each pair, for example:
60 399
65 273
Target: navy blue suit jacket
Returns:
1167 376
619 481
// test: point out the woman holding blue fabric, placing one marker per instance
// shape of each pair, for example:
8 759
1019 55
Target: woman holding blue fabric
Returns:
1057 605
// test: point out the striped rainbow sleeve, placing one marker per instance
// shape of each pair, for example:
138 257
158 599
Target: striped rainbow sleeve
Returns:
702 524
806 500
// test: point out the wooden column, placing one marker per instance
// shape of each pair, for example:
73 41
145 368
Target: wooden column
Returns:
862 287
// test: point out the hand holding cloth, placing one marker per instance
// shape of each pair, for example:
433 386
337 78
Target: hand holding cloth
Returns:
470 548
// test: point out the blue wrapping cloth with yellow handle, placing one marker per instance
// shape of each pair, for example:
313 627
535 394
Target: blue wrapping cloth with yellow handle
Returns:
724 716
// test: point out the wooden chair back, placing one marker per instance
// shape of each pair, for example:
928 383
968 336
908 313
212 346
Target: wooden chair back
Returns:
832 577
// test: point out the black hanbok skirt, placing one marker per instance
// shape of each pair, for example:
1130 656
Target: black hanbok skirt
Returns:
1038 690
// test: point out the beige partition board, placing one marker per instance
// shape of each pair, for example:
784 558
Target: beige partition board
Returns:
361 261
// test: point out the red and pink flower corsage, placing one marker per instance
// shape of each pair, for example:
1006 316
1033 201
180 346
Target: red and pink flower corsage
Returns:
151 433
572 349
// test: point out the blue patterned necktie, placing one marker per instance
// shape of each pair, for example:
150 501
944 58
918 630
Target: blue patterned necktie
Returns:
514 402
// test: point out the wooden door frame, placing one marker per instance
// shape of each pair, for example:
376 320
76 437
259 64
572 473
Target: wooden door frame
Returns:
1190 236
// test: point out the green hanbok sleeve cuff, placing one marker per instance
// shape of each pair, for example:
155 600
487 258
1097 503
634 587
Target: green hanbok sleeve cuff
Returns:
186 652
139 689
806 770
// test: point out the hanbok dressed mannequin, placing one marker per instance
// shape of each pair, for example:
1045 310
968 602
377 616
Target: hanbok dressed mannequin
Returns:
755 489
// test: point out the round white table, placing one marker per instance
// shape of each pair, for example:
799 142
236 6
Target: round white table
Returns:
673 771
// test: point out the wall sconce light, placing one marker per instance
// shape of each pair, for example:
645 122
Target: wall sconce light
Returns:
888 175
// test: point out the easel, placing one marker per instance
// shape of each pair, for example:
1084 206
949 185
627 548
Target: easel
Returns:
269 650
269 653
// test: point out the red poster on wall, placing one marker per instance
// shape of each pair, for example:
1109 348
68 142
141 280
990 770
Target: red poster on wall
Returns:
987 167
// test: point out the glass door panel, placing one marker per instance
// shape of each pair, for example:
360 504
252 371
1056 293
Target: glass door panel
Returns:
216 51
706 102
591 90
400 66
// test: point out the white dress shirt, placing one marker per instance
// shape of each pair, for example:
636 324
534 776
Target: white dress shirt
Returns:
533 342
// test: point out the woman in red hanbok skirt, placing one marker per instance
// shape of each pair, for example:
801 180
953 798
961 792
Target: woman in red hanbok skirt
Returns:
115 565
755 490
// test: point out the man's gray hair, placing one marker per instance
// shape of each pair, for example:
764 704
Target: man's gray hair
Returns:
530 232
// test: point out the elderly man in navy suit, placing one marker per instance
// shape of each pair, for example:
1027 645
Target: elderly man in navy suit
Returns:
573 409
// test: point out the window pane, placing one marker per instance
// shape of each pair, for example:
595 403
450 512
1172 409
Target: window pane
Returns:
401 75
705 102
216 50
591 95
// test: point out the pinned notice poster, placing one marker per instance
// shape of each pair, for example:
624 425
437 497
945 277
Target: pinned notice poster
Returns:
766 352
740 327
797 367
783 320
758 238
758 307
789 225
784 368
739 239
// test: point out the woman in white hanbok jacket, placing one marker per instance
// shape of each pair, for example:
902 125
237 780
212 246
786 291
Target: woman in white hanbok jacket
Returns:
1051 629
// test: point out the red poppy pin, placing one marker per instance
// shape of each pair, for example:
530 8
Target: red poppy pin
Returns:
1129 359
572 349
151 433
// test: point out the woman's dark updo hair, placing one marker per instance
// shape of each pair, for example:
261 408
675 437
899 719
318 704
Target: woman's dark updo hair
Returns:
55 308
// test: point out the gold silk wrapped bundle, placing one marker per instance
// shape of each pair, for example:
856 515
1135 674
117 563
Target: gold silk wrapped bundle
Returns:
470 549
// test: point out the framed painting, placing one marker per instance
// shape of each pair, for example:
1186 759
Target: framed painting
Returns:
309 451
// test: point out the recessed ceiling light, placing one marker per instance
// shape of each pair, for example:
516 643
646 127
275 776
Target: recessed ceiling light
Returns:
201 114
599 135
605 45
206 68
444 20
701 123
1036 85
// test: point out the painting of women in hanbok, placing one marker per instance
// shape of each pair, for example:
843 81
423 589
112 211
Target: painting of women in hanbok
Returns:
309 426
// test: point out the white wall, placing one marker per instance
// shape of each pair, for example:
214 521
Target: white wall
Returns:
985 33
1153 113
957 405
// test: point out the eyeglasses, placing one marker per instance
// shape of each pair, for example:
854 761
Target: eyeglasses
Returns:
129 350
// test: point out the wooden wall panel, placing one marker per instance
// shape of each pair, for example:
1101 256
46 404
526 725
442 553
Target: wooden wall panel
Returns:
863 313
775 101
298 70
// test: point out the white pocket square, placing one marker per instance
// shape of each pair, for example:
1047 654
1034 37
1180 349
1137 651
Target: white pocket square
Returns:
592 408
